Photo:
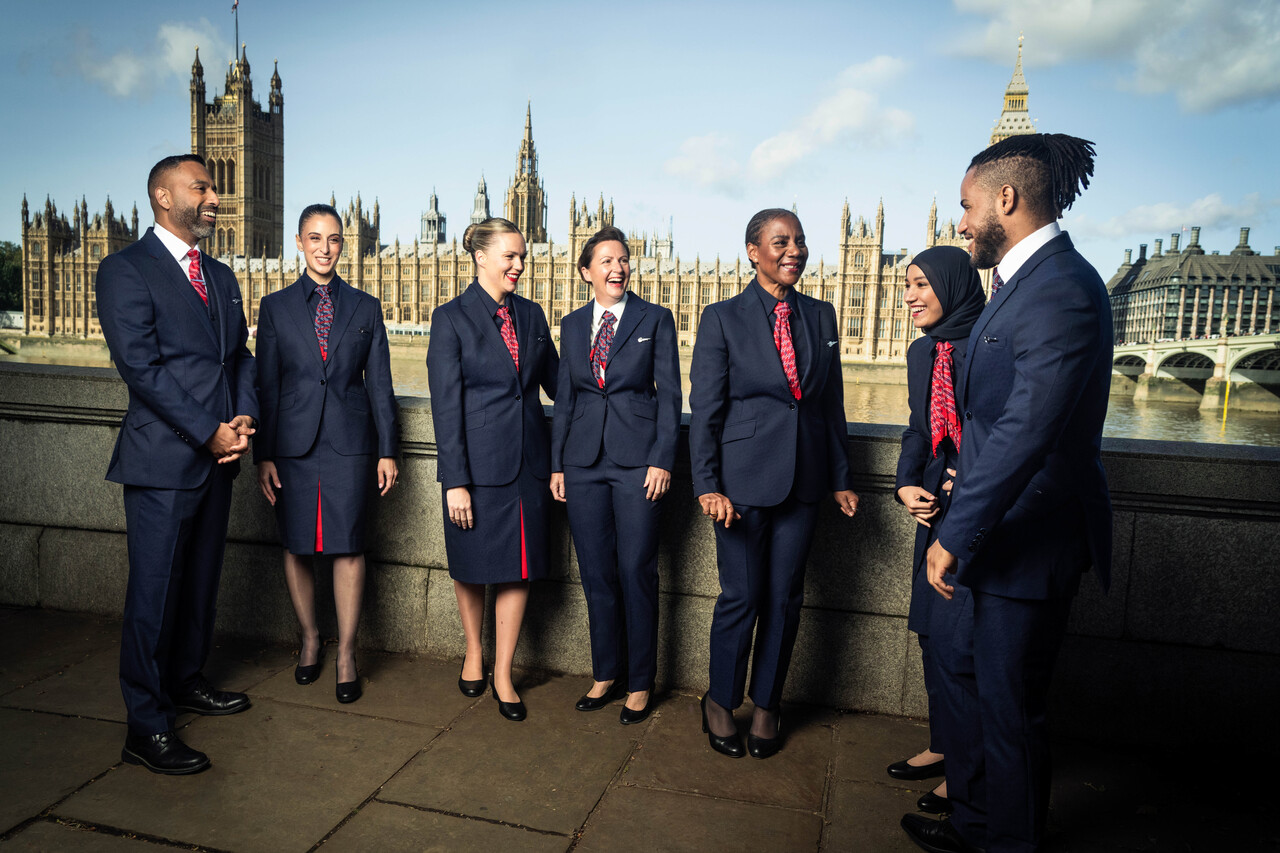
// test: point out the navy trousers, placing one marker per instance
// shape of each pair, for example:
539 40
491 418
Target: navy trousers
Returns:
615 534
994 678
176 540
761 559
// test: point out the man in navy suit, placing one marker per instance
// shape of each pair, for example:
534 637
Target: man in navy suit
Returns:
1030 509
174 323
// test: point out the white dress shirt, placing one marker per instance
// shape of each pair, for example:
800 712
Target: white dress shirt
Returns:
1024 249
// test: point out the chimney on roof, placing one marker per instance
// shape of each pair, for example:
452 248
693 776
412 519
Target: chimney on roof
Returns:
1142 251
1128 257
1243 247
1173 243
1195 236
1159 249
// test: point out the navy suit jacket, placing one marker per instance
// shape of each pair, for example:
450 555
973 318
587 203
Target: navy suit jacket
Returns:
488 419
636 418
350 393
1030 507
749 438
187 366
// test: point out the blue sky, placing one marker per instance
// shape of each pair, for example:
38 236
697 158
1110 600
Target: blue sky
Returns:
699 113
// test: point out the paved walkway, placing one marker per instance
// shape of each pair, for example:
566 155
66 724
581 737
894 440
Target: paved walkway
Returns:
415 765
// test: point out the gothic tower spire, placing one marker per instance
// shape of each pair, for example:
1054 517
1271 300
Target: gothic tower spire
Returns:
526 201
1014 119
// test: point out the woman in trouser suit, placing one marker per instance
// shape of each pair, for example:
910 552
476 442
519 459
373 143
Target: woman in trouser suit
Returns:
767 439
613 445
944 297
490 350
324 387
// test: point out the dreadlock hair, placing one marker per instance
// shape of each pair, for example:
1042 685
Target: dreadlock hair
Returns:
1049 170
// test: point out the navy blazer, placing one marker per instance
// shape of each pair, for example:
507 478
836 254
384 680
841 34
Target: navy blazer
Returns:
749 438
1031 491
187 366
636 418
489 420
350 393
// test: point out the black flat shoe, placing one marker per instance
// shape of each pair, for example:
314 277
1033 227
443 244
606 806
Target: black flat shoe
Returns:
730 745
629 717
163 753
912 773
513 711
595 703
308 674
348 691
472 689
936 836
933 804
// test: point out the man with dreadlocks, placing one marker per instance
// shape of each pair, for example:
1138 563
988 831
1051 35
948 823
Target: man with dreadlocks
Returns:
1029 509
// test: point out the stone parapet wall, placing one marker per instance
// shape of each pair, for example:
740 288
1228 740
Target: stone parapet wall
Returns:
1187 645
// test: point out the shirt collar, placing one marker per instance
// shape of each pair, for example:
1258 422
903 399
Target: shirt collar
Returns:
1024 249
175 244
312 284
615 309
768 300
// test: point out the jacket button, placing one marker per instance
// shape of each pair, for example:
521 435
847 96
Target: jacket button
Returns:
968 416
791 406
517 398
321 381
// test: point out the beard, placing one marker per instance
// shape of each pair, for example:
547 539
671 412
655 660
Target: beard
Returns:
988 243
189 218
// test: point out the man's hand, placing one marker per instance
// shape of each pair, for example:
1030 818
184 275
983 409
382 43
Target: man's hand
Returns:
719 507
387 474
941 561
227 444
922 505
656 482
268 480
847 501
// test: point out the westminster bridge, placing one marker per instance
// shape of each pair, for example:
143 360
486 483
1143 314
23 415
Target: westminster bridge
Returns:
1185 648
1239 372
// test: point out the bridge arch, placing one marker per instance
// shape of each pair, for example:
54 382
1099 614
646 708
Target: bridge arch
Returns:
1129 365
1260 358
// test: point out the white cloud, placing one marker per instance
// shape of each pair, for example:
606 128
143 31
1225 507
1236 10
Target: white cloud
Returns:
852 110
129 72
1153 220
708 162
1208 53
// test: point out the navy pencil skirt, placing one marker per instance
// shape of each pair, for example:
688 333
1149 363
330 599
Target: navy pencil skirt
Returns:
511 536
323 500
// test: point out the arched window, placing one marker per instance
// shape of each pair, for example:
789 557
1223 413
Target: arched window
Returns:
231 178
220 246
858 260
231 241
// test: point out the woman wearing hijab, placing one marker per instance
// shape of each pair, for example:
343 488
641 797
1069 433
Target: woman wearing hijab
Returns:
944 296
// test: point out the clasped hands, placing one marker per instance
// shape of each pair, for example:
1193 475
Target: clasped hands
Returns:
720 508
230 440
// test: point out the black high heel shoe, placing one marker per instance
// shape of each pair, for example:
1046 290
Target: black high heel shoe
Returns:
471 689
348 691
730 745
514 711
595 703
763 747
308 674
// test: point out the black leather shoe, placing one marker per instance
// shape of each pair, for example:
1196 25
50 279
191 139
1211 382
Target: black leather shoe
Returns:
514 711
730 745
629 717
471 688
933 804
912 773
204 699
308 674
595 703
348 691
936 836
163 753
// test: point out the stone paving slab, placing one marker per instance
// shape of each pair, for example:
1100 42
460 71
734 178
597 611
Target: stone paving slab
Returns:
866 816
644 820
401 829
43 642
90 688
676 756
45 757
866 744
544 773
283 776
396 687
44 836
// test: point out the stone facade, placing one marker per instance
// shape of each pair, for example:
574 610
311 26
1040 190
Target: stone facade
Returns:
1185 293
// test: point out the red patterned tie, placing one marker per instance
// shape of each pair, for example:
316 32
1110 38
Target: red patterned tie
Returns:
782 339
509 334
942 400
324 319
600 349
193 273
996 282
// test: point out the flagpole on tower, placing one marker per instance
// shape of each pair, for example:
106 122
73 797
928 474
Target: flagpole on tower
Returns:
235 10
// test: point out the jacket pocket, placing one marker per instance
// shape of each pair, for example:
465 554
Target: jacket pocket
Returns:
645 407
737 431
287 400
358 401
473 419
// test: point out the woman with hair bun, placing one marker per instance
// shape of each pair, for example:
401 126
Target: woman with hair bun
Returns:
613 446
490 351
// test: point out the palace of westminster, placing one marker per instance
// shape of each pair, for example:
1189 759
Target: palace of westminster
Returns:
243 145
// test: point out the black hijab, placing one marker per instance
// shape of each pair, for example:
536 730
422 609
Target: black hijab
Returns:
959 290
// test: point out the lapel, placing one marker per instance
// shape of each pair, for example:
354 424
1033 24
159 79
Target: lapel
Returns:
575 330
477 312
173 274
523 311
630 319
756 317
295 302
808 326
344 310
219 304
